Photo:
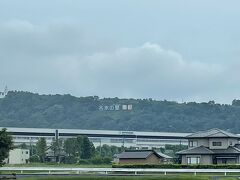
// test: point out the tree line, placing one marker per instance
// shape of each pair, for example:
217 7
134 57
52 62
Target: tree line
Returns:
82 151
6 144
71 151
25 109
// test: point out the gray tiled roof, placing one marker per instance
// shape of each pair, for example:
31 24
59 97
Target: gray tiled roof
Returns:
135 155
203 150
164 155
229 150
213 133
140 154
196 150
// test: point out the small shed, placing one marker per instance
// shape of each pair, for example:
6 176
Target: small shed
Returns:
142 157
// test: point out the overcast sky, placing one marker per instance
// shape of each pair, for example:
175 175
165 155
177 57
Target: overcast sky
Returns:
181 50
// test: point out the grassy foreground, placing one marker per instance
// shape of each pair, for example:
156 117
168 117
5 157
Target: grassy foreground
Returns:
125 178
181 177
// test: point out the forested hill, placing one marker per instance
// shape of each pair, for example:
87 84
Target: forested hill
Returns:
24 109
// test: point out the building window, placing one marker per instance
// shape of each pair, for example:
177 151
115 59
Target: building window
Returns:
217 143
192 143
193 160
128 140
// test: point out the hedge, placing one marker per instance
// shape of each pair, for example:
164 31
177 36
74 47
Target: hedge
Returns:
177 166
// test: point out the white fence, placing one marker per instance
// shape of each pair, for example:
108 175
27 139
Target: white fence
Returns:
52 170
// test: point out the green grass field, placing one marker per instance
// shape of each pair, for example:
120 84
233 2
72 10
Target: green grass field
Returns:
170 176
125 178
137 178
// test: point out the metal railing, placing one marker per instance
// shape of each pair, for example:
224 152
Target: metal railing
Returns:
52 170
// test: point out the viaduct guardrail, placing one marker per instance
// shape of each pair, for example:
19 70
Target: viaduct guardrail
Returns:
52 170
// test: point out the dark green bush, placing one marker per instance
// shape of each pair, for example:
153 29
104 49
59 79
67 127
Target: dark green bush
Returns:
34 159
70 160
97 160
84 161
107 160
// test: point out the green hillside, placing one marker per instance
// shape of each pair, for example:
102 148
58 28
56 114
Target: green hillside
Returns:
24 109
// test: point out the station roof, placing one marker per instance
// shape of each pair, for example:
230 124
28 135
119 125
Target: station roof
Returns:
136 134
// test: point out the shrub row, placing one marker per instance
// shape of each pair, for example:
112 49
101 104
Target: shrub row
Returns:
177 166
96 160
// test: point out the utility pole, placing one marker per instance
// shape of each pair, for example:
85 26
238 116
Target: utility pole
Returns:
57 147
100 147
31 148
5 90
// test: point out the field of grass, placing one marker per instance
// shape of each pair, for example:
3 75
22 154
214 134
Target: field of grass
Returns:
126 178
169 177
228 178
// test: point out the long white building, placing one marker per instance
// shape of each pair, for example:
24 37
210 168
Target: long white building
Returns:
138 139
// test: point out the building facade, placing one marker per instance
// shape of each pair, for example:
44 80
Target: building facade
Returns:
18 156
213 146
137 139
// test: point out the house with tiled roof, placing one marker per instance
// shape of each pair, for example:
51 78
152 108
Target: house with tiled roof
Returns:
213 146
142 157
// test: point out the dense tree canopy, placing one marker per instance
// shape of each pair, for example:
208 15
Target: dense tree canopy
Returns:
108 151
24 109
79 148
41 147
88 149
6 145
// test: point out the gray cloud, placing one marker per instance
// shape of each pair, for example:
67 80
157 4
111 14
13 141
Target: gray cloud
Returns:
62 58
